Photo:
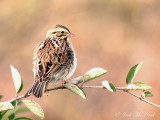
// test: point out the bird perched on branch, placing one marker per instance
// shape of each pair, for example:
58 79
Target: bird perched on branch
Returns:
54 60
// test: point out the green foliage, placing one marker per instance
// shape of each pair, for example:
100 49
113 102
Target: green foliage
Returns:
90 75
22 109
132 72
138 86
14 103
148 94
35 108
108 86
21 87
11 117
93 73
8 110
18 83
112 87
5 106
11 113
22 118
75 89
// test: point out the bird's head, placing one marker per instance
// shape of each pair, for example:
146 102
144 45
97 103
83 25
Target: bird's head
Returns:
59 31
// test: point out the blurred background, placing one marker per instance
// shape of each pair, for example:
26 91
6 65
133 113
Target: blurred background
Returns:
111 34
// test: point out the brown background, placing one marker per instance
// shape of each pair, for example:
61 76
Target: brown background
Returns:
110 34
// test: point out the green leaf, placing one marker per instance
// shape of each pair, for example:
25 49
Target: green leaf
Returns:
2 114
5 106
21 87
76 89
16 79
11 117
35 108
22 109
23 118
138 86
19 103
93 73
148 94
14 103
108 86
132 72
112 87
10 112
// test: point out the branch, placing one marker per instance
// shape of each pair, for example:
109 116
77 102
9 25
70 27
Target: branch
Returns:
78 80
17 98
144 100
73 86
86 78
124 89
56 88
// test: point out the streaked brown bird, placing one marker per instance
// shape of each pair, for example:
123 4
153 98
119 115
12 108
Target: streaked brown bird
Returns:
54 60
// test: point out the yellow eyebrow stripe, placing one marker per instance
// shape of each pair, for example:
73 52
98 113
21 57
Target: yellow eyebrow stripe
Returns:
58 29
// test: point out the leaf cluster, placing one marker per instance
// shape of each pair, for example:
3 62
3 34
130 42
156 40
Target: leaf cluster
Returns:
9 109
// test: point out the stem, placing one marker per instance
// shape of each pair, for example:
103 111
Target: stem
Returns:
17 98
56 88
118 88
124 89
100 87
92 87
144 100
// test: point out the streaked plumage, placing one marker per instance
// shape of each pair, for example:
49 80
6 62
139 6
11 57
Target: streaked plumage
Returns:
54 60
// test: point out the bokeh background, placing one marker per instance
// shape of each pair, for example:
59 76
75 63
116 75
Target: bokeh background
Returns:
111 34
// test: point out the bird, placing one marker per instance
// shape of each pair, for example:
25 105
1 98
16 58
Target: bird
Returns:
54 60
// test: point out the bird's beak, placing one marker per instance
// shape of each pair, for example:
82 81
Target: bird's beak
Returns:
71 35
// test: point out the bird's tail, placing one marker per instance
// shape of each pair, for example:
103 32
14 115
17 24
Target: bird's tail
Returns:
37 89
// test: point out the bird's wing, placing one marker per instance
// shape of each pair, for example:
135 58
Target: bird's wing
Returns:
49 56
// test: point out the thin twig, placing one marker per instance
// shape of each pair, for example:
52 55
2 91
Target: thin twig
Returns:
56 88
124 89
144 100
92 86
17 98
118 88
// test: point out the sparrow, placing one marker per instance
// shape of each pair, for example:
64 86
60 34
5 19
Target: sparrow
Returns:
54 60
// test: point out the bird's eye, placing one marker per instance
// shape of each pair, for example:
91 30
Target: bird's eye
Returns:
62 32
